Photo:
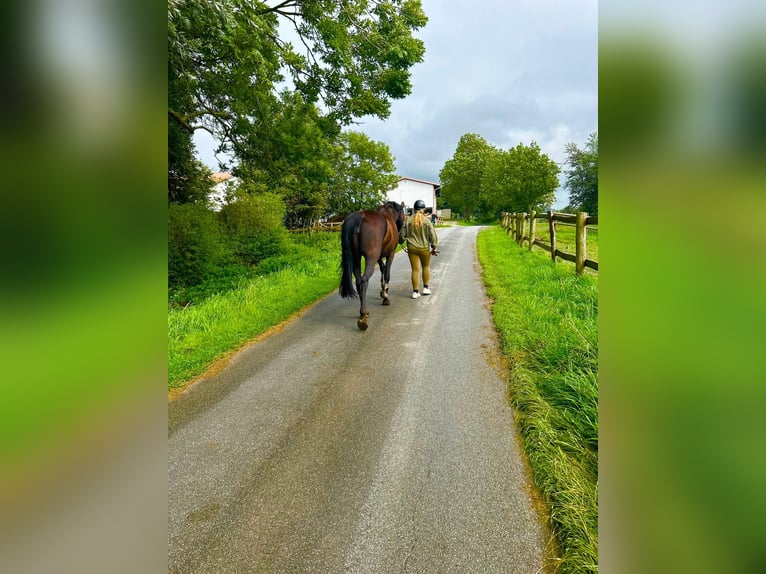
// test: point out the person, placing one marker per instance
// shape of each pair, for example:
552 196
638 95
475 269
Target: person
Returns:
421 240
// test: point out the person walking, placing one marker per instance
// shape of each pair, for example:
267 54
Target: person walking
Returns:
421 239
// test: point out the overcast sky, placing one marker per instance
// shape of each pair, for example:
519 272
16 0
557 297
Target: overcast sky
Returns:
512 72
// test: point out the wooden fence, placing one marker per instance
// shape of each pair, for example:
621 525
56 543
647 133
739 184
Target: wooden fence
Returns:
319 226
328 225
516 222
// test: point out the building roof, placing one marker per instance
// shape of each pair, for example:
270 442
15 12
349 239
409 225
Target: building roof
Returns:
421 181
220 176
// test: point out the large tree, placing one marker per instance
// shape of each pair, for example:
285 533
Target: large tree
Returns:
535 180
462 174
495 186
364 172
225 58
582 175
521 179
291 155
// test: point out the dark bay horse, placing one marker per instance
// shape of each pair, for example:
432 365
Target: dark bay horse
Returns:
374 236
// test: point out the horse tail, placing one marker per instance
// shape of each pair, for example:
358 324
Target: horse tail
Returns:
350 227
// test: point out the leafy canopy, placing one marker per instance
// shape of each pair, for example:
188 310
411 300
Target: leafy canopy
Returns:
462 174
364 172
226 57
482 179
582 175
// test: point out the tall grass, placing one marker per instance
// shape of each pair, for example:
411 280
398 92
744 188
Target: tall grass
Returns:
200 334
547 320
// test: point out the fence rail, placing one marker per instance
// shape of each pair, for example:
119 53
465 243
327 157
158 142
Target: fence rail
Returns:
515 223
328 225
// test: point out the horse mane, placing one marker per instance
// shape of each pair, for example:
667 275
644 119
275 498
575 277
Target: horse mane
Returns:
395 207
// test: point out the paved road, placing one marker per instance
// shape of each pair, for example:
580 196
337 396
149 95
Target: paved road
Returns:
326 449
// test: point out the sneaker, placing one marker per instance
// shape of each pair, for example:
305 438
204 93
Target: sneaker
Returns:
415 294
426 291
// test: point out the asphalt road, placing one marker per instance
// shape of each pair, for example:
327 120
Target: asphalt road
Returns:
327 449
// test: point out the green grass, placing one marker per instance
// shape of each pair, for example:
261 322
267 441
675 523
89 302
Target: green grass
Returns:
202 333
547 320
565 237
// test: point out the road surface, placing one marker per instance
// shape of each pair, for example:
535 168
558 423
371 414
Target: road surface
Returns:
327 449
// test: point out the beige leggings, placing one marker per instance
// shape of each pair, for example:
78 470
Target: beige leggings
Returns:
419 258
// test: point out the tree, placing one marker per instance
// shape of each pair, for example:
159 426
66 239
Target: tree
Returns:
522 179
225 58
582 175
495 187
188 179
292 155
535 178
462 174
364 172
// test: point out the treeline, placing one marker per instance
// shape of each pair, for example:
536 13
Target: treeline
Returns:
280 112
483 181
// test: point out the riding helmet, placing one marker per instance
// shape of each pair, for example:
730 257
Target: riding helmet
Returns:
419 204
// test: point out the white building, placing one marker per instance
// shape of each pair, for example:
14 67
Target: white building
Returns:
224 182
409 190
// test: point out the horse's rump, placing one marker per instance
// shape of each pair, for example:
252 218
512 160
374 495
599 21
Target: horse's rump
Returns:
373 235
349 253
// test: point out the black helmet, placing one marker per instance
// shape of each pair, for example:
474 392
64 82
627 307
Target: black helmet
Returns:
419 204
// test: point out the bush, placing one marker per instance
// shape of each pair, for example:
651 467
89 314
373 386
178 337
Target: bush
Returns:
195 245
254 227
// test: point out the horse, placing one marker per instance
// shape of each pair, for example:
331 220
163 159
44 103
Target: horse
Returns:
374 236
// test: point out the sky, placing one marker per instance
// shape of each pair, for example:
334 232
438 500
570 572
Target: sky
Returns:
512 72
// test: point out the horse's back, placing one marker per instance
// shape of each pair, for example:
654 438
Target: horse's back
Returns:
374 234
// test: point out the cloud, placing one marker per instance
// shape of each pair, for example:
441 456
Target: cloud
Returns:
512 73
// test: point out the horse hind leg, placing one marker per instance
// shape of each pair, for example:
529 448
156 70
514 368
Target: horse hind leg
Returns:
385 271
361 323
384 275
362 284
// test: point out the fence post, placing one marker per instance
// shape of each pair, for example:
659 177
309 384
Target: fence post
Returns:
580 234
520 227
532 229
513 224
552 229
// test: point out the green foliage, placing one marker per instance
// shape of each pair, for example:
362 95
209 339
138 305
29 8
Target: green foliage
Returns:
582 175
253 225
188 180
195 245
225 61
481 180
547 318
291 154
462 174
364 172
218 280
200 334
522 179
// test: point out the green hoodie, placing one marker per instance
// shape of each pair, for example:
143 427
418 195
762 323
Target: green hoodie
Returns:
418 237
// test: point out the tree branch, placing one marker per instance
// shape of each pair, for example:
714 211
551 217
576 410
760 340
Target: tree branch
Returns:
181 120
184 121
278 7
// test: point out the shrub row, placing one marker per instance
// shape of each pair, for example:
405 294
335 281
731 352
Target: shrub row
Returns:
212 251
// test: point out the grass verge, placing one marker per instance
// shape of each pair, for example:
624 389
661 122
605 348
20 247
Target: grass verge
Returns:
547 320
202 333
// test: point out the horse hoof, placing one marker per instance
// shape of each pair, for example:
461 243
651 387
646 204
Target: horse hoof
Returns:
362 323
386 301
